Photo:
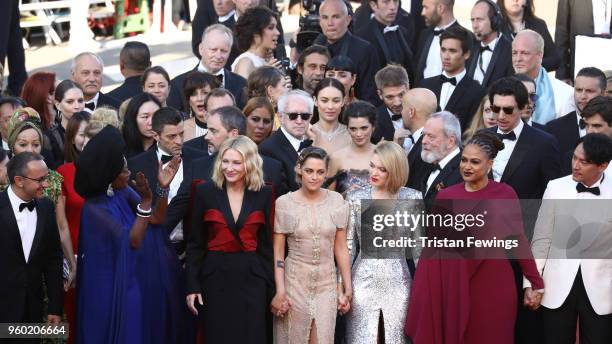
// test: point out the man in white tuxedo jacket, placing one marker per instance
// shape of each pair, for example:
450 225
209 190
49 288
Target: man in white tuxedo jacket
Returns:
577 285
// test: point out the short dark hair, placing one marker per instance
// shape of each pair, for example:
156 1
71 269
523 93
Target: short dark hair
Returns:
18 165
329 82
165 116
597 148
218 93
360 109
63 87
392 75
231 118
196 80
252 23
70 151
131 135
460 34
341 63
14 101
596 73
510 86
135 56
600 105
154 70
313 49
522 77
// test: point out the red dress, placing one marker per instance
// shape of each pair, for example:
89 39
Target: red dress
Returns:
472 301
73 206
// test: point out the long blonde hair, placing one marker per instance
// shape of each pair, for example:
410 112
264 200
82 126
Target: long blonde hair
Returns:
253 164
477 122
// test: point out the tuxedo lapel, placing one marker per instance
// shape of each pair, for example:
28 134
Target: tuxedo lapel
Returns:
519 153
9 222
287 147
40 227
425 52
458 93
446 171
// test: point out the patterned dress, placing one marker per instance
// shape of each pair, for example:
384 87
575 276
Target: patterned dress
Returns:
310 272
381 286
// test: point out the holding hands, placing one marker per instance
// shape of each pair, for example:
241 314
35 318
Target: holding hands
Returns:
532 298
280 305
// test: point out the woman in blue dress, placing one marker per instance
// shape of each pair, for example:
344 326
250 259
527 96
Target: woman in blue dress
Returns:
127 288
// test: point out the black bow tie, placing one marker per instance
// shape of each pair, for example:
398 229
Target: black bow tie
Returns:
509 136
453 80
304 144
30 205
581 188
436 167
165 158
91 106
220 78
582 124
485 48
437 32
396 117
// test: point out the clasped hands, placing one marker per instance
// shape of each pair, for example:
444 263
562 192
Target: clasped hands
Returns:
532 298
280 305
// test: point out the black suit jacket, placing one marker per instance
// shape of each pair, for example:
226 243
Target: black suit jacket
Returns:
21 290
233 83
447 177
423 46
416 166
533 163
278 147
565 129
199 143
148 164
201 170
465 98
105 100
574 17
384 126
372 32
538 125
500 65
130 88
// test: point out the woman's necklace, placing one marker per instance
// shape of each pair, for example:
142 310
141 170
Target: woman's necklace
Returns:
330 136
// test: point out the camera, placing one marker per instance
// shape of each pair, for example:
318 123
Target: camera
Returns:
309 24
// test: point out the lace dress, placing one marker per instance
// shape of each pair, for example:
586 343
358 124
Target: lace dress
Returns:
380 286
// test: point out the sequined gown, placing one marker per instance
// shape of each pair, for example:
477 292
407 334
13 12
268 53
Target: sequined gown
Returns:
380 286
310 272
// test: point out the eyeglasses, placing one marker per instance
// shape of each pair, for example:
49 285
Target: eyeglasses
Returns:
533 97
38 180
508 110
294 115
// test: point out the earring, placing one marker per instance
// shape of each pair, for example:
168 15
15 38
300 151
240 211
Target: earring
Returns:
109 191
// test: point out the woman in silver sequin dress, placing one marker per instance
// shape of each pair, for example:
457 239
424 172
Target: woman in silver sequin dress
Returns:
381 281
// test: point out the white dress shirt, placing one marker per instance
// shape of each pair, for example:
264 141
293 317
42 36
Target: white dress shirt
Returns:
224 18
503 156
581 132
447 88
397 124
433 64
26 222
485 56
178 178
5 145
221 71
433 175
601 16
294 141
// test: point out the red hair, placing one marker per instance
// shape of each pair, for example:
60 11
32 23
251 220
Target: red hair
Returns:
35 92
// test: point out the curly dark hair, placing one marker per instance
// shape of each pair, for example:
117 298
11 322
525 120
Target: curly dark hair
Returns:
252 23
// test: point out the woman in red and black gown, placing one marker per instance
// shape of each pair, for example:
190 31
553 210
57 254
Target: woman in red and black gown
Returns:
473 299
229 272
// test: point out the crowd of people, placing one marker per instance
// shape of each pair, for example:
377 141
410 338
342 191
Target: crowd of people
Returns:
226 204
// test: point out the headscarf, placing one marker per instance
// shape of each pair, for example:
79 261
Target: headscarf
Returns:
22 119
100 162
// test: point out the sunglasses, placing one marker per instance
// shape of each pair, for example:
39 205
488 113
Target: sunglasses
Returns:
294 115
508 110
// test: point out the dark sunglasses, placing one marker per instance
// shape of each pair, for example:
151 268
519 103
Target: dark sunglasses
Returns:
533 97
508 110
294 115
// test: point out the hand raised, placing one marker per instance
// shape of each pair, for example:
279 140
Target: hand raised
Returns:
141 185
166 174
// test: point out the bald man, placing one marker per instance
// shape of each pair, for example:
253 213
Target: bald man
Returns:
555 98
339 40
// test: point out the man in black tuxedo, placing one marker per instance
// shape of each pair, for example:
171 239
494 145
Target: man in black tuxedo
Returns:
438 15
339 40
134 59
217 98
456 91
29 245
531 156
87 70
590 82
492 57
442 152
223 123
167 124
411 20
391 40
214 48
392 83
527 113
597 116
11 46
295 109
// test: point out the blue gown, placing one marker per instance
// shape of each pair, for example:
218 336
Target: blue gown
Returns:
125 295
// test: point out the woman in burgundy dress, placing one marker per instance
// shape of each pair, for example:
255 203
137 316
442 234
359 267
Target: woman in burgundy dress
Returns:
473 299
229 249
